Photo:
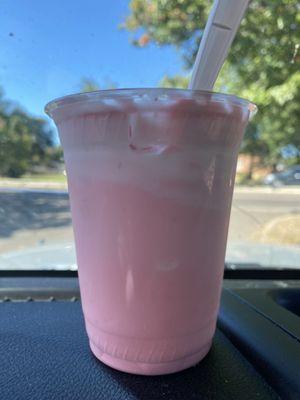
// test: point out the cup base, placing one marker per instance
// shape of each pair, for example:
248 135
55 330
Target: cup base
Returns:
140 368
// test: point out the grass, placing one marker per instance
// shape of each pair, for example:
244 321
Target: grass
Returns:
48 178
45 178
241 179
280 230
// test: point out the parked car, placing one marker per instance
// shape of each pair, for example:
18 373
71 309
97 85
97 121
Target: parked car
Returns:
291 176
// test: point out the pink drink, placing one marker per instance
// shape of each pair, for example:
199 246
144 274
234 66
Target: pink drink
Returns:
151 174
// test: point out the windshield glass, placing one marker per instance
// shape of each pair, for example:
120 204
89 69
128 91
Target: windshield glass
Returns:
48 51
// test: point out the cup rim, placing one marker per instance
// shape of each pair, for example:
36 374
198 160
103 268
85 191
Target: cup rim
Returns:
93 96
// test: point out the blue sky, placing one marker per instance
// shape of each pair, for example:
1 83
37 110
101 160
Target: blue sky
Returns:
47 47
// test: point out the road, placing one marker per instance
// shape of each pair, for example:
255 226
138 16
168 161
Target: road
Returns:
251 210
33 218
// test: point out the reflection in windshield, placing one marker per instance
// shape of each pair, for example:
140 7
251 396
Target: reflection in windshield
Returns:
263 65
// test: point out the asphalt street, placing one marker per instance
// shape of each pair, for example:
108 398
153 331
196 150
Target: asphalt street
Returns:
251 210
29 218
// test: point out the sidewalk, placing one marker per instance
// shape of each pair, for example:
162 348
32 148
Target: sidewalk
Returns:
23 184
268 190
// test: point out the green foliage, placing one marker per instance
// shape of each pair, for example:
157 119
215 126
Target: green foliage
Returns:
177 81
167 21
24 141
91 85
262 65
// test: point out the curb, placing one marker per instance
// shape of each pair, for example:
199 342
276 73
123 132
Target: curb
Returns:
267 190
7 184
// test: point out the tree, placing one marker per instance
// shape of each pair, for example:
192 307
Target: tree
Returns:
262 65
24 140
91 85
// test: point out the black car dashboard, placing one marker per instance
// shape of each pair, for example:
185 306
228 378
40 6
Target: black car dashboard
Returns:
44 352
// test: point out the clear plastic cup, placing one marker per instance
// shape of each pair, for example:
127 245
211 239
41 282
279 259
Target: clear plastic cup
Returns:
150 175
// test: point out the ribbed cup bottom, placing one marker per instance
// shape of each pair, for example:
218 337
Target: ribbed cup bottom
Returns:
147 356
140 368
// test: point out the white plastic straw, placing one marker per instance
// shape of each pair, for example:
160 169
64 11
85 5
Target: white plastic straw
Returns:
222 25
